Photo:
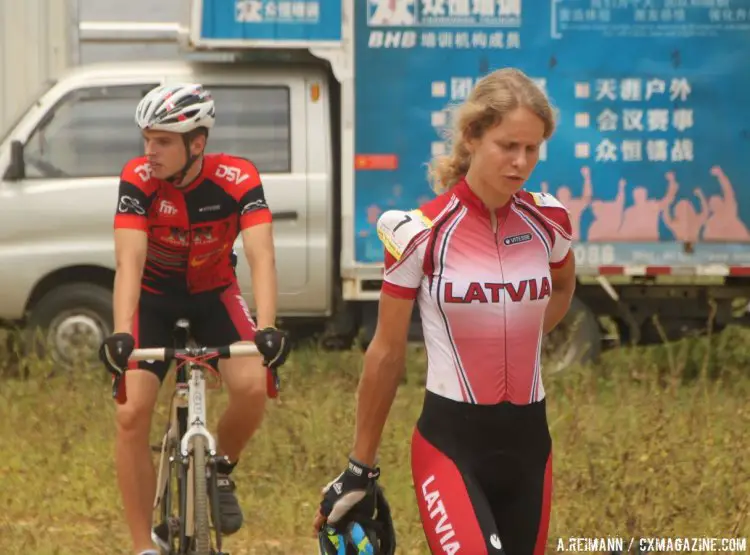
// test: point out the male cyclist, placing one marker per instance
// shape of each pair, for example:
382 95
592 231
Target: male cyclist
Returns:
179 212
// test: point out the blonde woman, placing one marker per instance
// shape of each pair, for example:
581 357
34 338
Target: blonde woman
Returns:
492 268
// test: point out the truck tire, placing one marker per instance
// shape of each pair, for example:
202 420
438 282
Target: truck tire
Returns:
69 323
576 340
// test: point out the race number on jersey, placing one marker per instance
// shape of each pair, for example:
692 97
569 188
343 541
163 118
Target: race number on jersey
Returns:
398 229
547 200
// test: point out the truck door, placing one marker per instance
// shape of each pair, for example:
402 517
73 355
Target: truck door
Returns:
60 213
265 123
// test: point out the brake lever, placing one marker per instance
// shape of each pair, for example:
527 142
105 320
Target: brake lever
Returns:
116 386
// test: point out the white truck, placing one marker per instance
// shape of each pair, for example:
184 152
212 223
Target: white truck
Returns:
341 102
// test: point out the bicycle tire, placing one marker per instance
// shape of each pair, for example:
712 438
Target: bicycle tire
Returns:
202 531
165 503
181 485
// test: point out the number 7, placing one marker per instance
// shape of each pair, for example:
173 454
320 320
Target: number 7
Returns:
406 220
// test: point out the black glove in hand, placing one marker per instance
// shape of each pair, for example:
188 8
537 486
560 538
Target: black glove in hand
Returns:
115 351
274 345
348 489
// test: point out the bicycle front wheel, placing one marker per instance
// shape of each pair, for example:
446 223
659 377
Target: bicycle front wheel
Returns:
202 535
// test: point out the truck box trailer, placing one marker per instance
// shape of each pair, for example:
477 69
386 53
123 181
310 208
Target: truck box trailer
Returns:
36 45
341 104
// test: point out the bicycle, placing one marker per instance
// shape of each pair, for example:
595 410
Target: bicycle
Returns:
188 446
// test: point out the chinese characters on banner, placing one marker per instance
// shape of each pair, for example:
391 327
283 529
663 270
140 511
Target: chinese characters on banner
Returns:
249 24
638 18
631 133
650 120
444 24
280 11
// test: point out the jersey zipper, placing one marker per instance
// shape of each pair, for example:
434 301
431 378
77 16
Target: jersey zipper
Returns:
495 225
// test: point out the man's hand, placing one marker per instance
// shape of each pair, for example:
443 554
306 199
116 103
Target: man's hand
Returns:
274 345
344 492
115 351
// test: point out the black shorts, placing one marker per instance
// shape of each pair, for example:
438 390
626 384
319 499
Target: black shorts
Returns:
483 476
218 317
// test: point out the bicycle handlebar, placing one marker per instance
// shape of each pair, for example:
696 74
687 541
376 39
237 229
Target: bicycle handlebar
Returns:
168 354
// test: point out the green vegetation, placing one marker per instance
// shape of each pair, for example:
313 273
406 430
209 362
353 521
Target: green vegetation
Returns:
650 442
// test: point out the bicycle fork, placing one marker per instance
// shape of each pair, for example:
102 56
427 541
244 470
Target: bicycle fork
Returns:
196 426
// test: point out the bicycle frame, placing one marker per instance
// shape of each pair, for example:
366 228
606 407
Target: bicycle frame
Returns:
188 426
196 412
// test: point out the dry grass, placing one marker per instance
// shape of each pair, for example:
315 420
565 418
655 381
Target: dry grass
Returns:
648 443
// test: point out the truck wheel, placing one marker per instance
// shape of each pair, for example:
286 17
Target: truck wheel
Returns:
577 339
70 322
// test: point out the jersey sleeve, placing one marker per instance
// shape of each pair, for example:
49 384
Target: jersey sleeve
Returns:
561 229
136 192
404 235
246 187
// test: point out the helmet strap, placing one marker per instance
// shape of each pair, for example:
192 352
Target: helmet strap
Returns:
176 178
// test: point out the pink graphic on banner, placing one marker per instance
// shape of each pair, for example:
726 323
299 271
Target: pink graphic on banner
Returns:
607 216
575 206
640 222
724 223
686 223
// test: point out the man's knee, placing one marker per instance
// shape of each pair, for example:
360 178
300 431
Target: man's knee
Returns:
246 382
250 391
134 417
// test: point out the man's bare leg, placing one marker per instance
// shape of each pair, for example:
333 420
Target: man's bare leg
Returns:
246 383
136 475
245 379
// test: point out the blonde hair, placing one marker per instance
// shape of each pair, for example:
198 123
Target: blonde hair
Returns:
494 96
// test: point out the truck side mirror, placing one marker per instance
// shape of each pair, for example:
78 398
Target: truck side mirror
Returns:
17 168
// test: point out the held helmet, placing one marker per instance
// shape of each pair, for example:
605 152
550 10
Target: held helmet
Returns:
178 108
366 529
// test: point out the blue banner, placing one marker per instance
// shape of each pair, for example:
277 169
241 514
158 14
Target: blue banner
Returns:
271 20
653 138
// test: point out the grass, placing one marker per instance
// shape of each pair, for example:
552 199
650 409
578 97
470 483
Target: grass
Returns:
650 442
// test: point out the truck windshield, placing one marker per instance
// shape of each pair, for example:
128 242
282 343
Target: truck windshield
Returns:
18 116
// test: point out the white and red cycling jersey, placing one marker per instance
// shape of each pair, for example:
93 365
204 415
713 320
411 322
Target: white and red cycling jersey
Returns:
482 288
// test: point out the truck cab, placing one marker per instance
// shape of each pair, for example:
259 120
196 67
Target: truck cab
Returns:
60 167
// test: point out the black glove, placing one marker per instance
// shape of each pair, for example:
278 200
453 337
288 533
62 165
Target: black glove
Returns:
347 489
274 345
115 351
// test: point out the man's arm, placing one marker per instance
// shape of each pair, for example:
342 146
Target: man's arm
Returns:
130 253
131 242
256 227
257 242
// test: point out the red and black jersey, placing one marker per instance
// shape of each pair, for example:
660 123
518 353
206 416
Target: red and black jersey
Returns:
191 230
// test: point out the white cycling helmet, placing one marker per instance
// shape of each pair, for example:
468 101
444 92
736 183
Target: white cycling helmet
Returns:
179 108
